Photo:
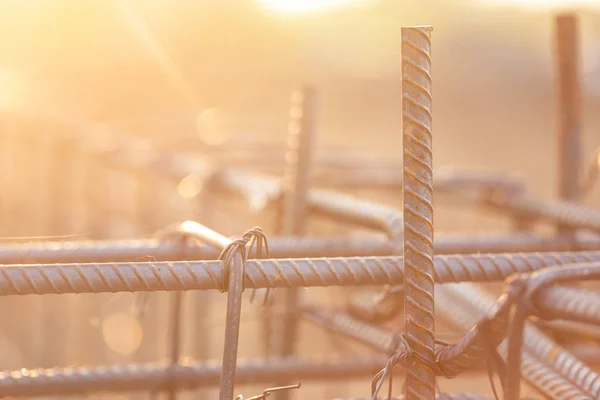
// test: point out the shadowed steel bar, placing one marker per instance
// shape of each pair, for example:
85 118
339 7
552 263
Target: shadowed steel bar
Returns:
568 107
566 214
351 209
296 185
280 247
438 396
298 172
189 375
471 350
23 279
418 212
371 335
546 365
569 304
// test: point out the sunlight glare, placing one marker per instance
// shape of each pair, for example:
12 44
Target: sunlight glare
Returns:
11 89
544 4
211 126
295 7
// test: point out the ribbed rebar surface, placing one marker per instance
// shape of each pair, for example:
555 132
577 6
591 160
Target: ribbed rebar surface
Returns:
282 247
546 365
208 275
570 304
157 376
440 396
418 211
296 184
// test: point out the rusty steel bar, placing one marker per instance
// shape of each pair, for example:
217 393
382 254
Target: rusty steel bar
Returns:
370 335
296 185
280 247
298 173
572 328
419 325
587 353
184 376
533 286
569 108
360 212
552 369
569 304
23 279
471 350
444 181
550 301
564 213
438 396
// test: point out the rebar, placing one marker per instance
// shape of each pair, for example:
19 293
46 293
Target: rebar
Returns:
569 304
375 337
555 369
23 279
296 184
563 213
367 214
82 251
403 261
569 108
418 211
184 376
441 396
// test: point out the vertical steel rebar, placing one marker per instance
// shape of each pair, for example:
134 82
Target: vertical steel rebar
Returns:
175 339
418 211
235 287
569 109
296 184
298 171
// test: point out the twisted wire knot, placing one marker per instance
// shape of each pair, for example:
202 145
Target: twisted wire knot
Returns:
404 351
521 290
253 238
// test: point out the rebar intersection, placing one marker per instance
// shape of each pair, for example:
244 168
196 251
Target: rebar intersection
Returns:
406 258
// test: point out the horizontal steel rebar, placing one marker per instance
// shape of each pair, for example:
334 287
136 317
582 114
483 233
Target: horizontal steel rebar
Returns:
565 213
208 275
545 364
439 396
341 323
280 247
187 375
569 304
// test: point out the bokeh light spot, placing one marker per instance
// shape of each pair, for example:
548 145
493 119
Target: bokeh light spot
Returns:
122 333
211 127
190 187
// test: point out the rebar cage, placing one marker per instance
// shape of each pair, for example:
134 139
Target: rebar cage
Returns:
121 186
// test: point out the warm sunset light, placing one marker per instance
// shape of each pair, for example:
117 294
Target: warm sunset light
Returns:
545 4
295 7
11 90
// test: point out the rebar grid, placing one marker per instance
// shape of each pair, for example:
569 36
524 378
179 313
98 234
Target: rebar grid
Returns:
116 266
